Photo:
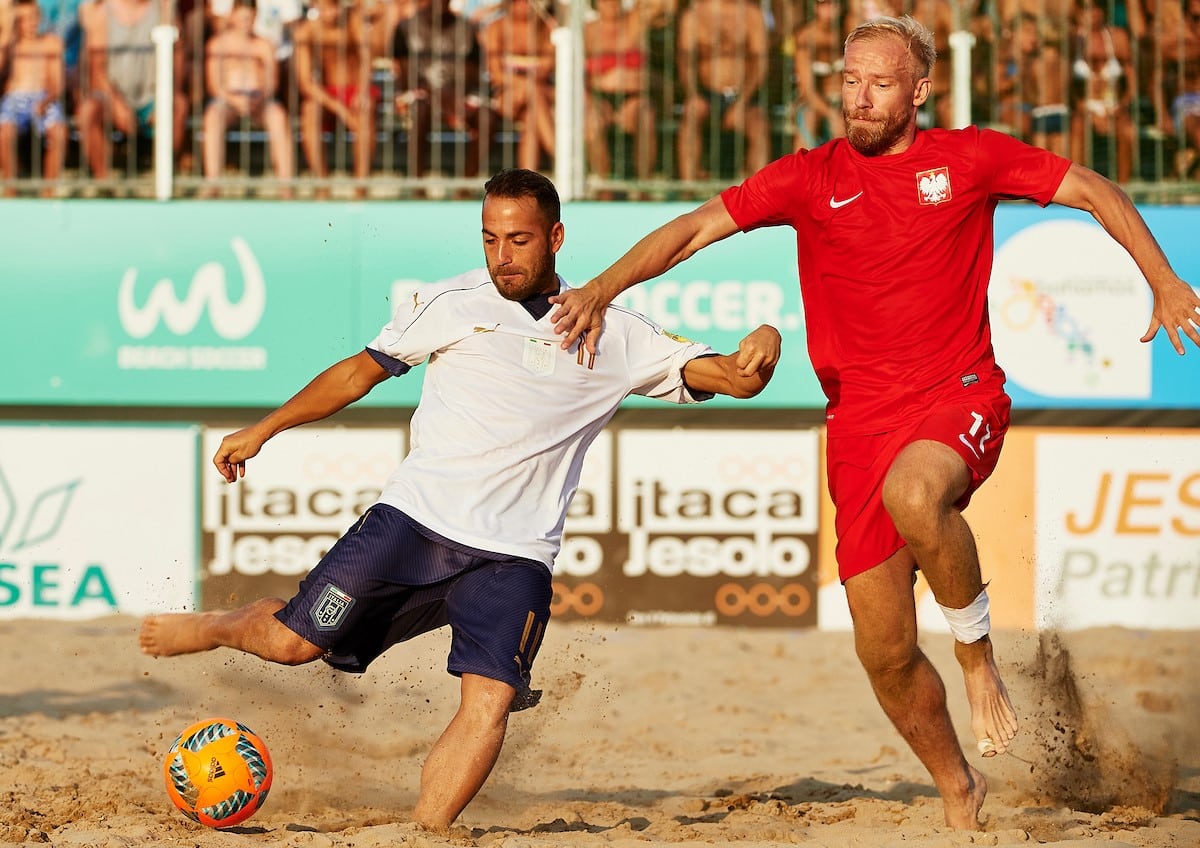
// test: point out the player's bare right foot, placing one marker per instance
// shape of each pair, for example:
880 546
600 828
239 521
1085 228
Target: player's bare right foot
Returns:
171 634
993 719
962 809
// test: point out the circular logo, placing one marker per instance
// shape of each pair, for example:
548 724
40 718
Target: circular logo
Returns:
1068 306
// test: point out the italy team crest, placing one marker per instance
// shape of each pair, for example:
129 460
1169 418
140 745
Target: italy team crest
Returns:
933 187
537 356
331 607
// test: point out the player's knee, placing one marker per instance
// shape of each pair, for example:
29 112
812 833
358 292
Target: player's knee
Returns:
910 501
294 650
271 639
486 701
881 658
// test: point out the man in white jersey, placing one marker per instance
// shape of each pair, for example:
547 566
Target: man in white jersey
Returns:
466 529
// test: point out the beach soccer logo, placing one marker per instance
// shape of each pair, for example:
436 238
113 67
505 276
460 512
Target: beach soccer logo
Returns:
163 310
1068 305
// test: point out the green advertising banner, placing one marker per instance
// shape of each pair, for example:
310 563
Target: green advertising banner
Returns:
130 303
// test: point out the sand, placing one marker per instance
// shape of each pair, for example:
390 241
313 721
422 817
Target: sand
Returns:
645 737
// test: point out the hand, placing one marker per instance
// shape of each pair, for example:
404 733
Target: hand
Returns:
580 313
759 352
735 115
235 449
405 99
1177 310
342 112
242 104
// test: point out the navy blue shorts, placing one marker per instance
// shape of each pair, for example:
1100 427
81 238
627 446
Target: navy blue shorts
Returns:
389 579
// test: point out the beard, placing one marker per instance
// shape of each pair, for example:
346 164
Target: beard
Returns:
518 284
874 137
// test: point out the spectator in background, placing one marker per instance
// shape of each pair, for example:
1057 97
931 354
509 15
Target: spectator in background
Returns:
661 18
722 46
520 62
1102 71
118 82
1054 13
817 67
1033 88
274 20
616 67
333 72
34 67
240 73
861 11
437 63
61 17
1178 93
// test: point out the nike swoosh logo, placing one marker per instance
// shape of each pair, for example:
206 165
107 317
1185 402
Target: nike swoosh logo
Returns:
838 204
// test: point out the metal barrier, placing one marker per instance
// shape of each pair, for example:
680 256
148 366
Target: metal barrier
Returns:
629 99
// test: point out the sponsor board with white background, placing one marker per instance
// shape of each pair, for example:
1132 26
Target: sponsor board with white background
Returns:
97 520
667 525
670 525
264 532
1117 530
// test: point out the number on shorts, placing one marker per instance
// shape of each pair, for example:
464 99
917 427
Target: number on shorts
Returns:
973 439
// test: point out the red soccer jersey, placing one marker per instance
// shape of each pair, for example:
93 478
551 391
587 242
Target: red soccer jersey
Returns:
895 255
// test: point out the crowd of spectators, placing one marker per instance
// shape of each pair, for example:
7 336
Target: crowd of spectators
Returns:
677 91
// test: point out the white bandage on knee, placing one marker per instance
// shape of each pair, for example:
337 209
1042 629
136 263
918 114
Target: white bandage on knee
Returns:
971 623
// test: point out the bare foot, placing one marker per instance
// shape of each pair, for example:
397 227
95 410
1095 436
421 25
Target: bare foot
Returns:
176 633
962 812
993 719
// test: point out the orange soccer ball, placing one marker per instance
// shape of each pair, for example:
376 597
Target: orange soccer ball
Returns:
218 772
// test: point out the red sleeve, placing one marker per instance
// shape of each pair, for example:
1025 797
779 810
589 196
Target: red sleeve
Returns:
1020 170
769 197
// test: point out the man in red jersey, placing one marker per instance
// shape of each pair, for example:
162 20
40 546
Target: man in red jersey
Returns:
894 242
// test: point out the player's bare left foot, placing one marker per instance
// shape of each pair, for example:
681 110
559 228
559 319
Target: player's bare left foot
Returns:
993 719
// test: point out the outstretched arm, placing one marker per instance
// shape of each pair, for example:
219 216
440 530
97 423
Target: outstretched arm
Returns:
581 311
741 375
333 389
1176 304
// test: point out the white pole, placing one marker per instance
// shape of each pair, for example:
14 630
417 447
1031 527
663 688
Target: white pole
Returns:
961 43
568 105
164 109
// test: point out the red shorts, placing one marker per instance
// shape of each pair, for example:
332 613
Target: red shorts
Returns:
346 95
858 465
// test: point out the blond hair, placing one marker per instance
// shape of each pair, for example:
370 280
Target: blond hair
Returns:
908 29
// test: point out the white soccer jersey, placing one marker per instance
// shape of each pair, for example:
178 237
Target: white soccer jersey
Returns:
506 414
